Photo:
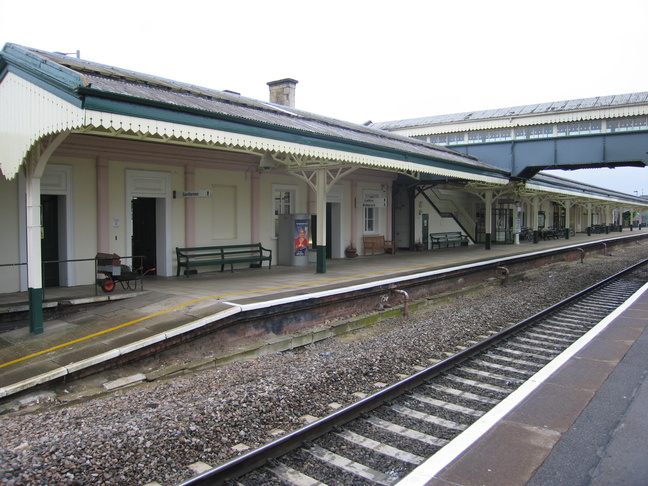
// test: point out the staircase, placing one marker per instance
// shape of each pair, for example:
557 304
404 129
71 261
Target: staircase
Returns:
447 208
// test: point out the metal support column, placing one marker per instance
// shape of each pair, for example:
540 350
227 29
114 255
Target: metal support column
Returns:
488 218
567 218
536 219
320 194
34 169
34 259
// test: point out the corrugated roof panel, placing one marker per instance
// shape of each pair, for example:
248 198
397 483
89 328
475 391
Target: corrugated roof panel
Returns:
521 110
501 112
638 97
559 105
531 109
573 105
595 103
621 98
481 114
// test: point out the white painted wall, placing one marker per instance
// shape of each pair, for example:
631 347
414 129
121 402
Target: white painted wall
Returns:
9 236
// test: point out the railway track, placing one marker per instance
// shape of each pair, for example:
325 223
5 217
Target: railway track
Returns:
382 438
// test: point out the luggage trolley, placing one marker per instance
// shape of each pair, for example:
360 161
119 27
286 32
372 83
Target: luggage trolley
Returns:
110 270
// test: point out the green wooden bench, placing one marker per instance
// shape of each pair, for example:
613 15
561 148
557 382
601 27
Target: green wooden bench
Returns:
190 258
446 238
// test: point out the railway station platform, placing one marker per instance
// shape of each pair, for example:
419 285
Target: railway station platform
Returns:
90 324
583 423
527 446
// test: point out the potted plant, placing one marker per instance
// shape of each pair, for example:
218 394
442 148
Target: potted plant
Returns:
351 251
418 246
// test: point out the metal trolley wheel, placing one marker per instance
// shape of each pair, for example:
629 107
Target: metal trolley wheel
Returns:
108 285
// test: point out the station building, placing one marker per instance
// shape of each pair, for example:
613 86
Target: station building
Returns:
606 131
98 159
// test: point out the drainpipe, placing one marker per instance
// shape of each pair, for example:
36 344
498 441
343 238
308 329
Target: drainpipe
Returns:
582 254
505 272
405 300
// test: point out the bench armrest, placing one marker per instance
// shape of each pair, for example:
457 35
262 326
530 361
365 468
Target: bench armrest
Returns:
269 256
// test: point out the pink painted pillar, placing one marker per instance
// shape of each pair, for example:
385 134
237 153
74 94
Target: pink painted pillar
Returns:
103 205
311 205
390 212
255 209
312 201
354 214
190 206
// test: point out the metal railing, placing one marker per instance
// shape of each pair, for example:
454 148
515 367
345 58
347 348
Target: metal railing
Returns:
125 276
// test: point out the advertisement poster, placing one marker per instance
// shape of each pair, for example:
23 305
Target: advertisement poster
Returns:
301 237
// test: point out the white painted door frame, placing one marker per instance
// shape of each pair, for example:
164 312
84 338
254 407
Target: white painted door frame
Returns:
144 183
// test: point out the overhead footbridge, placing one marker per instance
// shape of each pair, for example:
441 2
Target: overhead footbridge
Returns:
605 131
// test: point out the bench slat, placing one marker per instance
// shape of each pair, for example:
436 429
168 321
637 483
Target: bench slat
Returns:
377 242
447 238
221 255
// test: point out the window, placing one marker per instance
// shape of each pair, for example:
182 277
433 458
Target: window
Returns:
627 124
448 139
369 220
374 204
476 137
284 203
579 128
482 136
456 138
439 139
538 131
498 135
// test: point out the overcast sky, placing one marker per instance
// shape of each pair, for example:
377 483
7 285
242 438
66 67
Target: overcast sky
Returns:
360 60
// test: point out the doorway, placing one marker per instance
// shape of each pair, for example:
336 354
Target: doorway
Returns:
403 217
50 239
503 222
144 232
329 229
333 242
425 230
148 213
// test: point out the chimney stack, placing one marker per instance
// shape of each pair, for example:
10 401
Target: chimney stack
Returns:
282 92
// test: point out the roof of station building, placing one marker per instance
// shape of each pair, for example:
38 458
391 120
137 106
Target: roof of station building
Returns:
99 87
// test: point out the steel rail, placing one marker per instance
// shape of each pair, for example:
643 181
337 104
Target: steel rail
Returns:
259 457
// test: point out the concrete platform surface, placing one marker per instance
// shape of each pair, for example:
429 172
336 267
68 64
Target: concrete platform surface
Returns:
92 325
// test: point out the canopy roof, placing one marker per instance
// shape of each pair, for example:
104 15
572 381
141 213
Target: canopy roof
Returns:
69 94
43 94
